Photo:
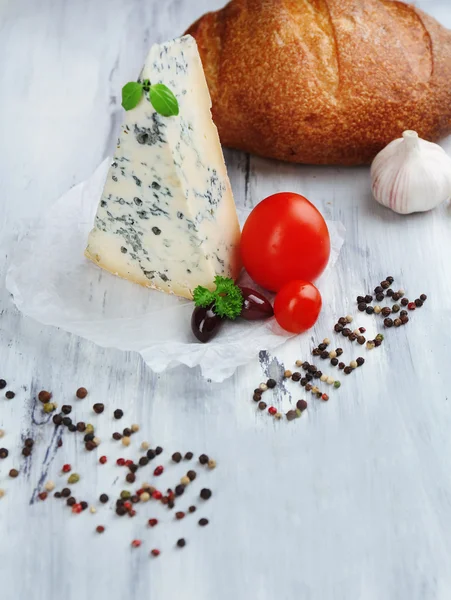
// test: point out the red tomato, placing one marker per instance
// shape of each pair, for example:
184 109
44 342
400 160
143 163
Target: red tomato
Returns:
297 306
284 238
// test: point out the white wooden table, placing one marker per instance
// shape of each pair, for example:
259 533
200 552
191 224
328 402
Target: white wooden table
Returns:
352 502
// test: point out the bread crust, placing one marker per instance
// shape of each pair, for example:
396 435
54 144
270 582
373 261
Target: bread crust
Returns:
324 81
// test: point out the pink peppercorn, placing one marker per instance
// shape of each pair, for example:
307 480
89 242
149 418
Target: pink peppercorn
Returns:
272 410
136 543
102 460
77 508
156 495
324 397
411 306
66 468
128 505
159 470
120 462
153 522
42 496
131 513
128 463
155 552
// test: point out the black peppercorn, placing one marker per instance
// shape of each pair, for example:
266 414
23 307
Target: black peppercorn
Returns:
322 346
296 376
98 408
369 310
271 383
71 501
348 370
308 376
380 297
181 543
317 375
418 302
84 505
118 413
133 468
151 454
88 437
179 489
404 301
127 432
90 446
360 299
386 311
395 308
29 442
377 343
360 361
3 384
57 419
65 492
308 387
121 511
352 337
301 405
291 415
81 426
72 427
205 493
304 381
338 328
26 451
341 365
10 395
117 436
188 456
66 409
203 522
258 392
316 351
57 495
397 322
305 365
368 298
262 405
388 322
203 459
3 453
191 475
192 509
334 362
130 477
67 421
390 279
404 319
378 289
403 313
389 293
339 351
312 369
362 306
342 321
318 394
345 333
423 297
325 353
361 339
158 450
396 297
385 284
256 398
143 461
103 498
176 457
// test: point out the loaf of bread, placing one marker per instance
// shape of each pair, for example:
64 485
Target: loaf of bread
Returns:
324 81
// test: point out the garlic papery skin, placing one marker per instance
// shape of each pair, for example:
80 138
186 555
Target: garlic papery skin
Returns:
411 175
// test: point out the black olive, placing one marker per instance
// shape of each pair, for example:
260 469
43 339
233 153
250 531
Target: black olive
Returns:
255 305
205 324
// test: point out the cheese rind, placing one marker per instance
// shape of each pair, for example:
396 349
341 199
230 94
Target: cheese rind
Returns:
167 217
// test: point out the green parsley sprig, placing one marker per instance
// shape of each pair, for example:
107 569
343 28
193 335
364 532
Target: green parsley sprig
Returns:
160 96
227 299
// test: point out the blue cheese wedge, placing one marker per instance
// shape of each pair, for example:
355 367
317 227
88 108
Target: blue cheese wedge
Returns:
167 218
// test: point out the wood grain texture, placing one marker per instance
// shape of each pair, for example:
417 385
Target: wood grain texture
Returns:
352 502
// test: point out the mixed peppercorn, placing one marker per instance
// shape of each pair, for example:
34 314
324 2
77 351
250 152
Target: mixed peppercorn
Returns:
312 374
127 501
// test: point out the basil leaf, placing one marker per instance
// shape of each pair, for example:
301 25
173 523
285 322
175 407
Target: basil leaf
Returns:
131 94
163 100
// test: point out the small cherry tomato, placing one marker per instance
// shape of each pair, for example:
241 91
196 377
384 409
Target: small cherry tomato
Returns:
284 238
297 306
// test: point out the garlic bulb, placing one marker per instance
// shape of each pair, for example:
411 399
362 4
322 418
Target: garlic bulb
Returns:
411 175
